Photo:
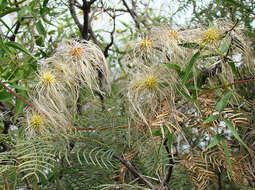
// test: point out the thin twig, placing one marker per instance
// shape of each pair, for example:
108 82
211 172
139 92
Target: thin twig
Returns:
132 13
73 13
134 171
219 181
18 96
112 37
231 84
5 181
171 165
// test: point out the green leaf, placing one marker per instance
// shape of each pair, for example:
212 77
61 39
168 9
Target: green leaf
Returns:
18 87
184 93
24 11
227 156
39 40
157 132
4 96
190 66
8 11
211 118
223 102
170 140
234 69
214 142
19 2
19 103
173 66
45 2
6 25
19 47
190 45
235 133
225 45
3 4
40 28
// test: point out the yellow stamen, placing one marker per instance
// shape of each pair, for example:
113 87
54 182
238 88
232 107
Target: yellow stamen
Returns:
36 121
76 51
151 82
210 36
173 33
145 43
47 79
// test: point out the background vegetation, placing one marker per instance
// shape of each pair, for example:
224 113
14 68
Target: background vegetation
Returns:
167 104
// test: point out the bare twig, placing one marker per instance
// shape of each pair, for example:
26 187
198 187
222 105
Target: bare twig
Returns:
92 1
132 14
171 165
231 84
94 38
219 181
13 37
112 37
17 96
134 171
73 13
5 181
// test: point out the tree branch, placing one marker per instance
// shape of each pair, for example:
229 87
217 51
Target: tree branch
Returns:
133 170
17 96
171 165
219 181
132 13
92 1
5 181
112 38
13 37
73 14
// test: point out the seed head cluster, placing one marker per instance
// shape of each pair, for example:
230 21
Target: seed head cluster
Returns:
154 65
75 64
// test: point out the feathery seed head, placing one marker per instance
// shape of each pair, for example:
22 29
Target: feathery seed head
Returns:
210 37
36 121
84 59
47 79
145 43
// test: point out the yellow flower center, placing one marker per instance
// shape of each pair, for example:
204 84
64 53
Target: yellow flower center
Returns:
36 121
173 33
145 43
210 36
151 82
76 51
47 79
